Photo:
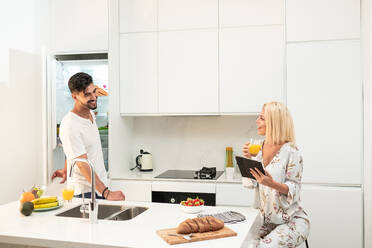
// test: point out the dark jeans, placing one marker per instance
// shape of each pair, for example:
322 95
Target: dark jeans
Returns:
88 195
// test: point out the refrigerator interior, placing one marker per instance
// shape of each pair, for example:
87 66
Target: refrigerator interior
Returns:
63 102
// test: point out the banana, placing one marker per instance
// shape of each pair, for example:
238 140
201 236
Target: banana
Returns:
44 200
46 205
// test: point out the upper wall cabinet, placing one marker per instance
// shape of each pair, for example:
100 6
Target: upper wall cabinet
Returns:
79 25
251 68
192 57
138 73
188 72
138 15
322 19
325 98
252 12
187 14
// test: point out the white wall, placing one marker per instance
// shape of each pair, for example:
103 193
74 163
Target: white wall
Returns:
367 80
190 142
24 31
20 27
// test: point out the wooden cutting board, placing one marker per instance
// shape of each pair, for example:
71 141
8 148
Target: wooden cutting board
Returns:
173 240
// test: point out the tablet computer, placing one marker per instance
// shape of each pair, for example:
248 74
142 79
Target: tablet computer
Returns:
245 164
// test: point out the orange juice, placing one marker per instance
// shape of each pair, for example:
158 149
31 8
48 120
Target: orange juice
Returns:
254 149
67 194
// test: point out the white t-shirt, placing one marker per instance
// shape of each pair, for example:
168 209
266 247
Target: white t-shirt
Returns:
80 136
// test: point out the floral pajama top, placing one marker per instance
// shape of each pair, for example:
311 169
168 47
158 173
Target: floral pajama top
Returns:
286 167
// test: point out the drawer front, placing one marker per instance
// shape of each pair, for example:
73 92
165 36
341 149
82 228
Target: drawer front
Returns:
184 187
133 190
233 195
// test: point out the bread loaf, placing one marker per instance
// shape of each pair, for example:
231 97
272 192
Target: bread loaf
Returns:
202 224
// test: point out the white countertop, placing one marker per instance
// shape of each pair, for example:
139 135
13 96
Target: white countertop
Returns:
150 176
46 229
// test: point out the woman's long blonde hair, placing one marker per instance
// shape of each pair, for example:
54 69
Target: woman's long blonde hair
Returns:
279 123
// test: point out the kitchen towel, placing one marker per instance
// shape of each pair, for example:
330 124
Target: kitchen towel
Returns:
229 217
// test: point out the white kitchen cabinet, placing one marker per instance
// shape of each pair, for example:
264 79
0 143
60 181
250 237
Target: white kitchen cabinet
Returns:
325 98
336 216
138 15
322 19
254 12
79 25
133 190
251 68
138 73
188 72
187 14
193 187
232 194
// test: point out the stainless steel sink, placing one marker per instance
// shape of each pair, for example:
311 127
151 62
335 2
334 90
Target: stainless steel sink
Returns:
128 213
105 212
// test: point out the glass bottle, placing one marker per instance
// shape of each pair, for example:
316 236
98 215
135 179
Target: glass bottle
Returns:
229 157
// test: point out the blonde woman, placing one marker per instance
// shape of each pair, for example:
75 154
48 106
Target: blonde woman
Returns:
285 223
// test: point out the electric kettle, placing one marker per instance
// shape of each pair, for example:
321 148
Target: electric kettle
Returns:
144 161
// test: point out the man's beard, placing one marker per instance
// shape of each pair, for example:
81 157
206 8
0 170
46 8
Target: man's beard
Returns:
90 106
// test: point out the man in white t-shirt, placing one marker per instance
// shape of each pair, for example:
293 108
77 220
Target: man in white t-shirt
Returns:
80 139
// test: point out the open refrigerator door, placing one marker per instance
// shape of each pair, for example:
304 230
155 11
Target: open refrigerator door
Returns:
59 68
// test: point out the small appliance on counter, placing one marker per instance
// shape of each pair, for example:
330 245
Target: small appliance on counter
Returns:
143 161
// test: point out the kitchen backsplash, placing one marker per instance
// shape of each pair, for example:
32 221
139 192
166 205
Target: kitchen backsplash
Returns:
190 142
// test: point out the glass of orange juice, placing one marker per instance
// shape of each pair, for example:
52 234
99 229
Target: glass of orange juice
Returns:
254 147
68 194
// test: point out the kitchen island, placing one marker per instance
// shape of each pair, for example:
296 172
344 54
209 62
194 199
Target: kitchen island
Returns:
45 229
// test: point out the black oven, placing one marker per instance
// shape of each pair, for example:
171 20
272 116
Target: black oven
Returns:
177 197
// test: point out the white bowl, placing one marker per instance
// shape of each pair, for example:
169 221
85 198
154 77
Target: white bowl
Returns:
191 209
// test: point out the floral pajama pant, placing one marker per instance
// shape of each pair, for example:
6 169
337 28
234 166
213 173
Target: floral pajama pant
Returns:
291 234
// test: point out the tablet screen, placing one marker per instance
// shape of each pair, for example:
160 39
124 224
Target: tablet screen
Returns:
245 164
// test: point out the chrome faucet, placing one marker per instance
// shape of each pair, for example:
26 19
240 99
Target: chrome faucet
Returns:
93 206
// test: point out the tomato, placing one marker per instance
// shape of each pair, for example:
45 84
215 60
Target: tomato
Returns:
193 202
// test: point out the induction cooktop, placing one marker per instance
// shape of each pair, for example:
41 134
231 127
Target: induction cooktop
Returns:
187 174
